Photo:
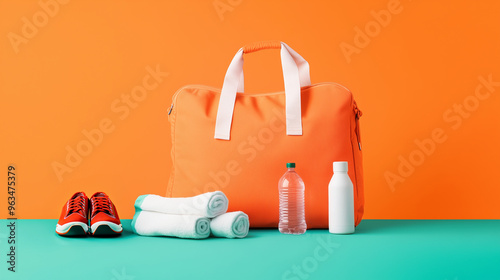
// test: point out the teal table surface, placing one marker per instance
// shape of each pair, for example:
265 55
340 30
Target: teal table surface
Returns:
380 249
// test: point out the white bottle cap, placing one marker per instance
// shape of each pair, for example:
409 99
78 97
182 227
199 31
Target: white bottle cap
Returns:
340 166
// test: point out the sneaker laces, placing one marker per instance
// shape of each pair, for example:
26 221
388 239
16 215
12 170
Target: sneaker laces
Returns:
101 204
76 205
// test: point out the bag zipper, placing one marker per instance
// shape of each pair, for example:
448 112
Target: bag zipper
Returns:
174 97
358 114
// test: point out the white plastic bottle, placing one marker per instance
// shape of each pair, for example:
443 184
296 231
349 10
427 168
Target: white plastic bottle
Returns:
340 200
291 193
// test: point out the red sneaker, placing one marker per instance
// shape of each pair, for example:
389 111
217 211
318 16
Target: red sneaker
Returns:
74 220
104 217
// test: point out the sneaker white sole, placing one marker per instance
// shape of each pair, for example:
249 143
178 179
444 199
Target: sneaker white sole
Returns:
117 229
64 229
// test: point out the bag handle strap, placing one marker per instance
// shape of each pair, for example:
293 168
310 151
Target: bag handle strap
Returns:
266 45
254 47
295 75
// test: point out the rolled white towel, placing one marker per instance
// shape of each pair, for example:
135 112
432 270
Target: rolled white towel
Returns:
230 225
159 224
209 204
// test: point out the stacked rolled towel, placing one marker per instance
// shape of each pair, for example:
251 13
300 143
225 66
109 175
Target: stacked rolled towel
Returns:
230 225
209 204
159 224
188 217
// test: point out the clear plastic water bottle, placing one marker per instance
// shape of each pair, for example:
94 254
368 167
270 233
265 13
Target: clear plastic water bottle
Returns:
292 211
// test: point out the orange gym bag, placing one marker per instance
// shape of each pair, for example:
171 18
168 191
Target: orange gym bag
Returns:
239 143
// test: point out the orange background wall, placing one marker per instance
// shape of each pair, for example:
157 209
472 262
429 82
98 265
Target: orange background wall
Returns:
408 76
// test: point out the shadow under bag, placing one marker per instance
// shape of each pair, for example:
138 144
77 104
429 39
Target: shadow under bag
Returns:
238 143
